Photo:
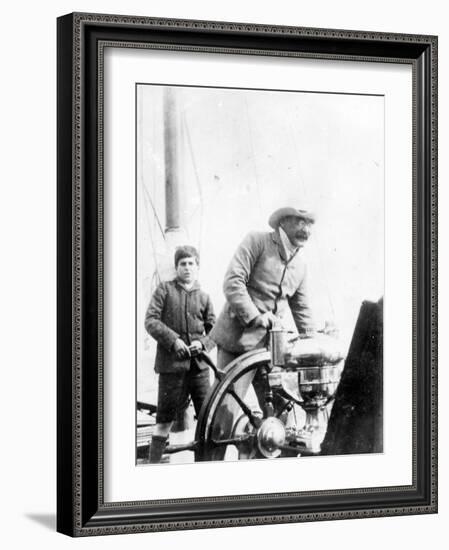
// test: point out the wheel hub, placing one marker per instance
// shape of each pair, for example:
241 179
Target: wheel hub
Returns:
271 436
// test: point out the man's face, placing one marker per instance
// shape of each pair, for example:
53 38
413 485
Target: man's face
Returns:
187 270
297 230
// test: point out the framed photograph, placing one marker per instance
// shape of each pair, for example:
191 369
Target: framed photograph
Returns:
247 274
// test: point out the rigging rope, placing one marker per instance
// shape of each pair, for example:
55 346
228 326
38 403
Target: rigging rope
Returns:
154 210
148 197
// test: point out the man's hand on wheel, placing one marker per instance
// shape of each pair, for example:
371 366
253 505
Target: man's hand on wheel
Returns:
264 320
181 349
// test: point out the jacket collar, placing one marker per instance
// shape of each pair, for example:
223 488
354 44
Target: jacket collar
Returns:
277 239
286 257
196 286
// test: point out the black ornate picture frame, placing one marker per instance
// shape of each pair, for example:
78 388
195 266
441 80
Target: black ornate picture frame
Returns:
81 507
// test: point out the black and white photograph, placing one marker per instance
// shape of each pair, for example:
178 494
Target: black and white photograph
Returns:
259 266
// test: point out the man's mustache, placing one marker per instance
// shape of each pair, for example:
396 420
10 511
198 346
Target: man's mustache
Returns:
301 235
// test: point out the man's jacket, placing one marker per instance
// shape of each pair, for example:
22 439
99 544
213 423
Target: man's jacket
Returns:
261 279
175 312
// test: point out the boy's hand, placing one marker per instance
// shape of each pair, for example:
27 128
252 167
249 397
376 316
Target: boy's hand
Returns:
197 346
181 349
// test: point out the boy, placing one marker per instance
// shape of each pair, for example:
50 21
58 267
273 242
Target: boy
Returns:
180 315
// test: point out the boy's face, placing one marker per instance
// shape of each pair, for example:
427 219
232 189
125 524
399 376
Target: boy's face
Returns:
187 270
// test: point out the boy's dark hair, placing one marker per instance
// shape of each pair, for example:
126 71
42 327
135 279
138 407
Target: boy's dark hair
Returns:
186 252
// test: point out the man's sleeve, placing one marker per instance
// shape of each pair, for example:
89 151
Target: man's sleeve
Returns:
209 316
301 312
209 322
237 277
163 334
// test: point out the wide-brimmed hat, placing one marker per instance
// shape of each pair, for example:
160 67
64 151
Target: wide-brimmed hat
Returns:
280 213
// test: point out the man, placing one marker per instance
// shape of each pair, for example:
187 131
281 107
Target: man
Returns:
179 317
266 276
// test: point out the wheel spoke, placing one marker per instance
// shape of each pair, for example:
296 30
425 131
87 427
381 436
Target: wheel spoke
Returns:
233 440
255 420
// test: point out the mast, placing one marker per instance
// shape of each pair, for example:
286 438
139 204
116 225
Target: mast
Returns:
174 233
172 190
